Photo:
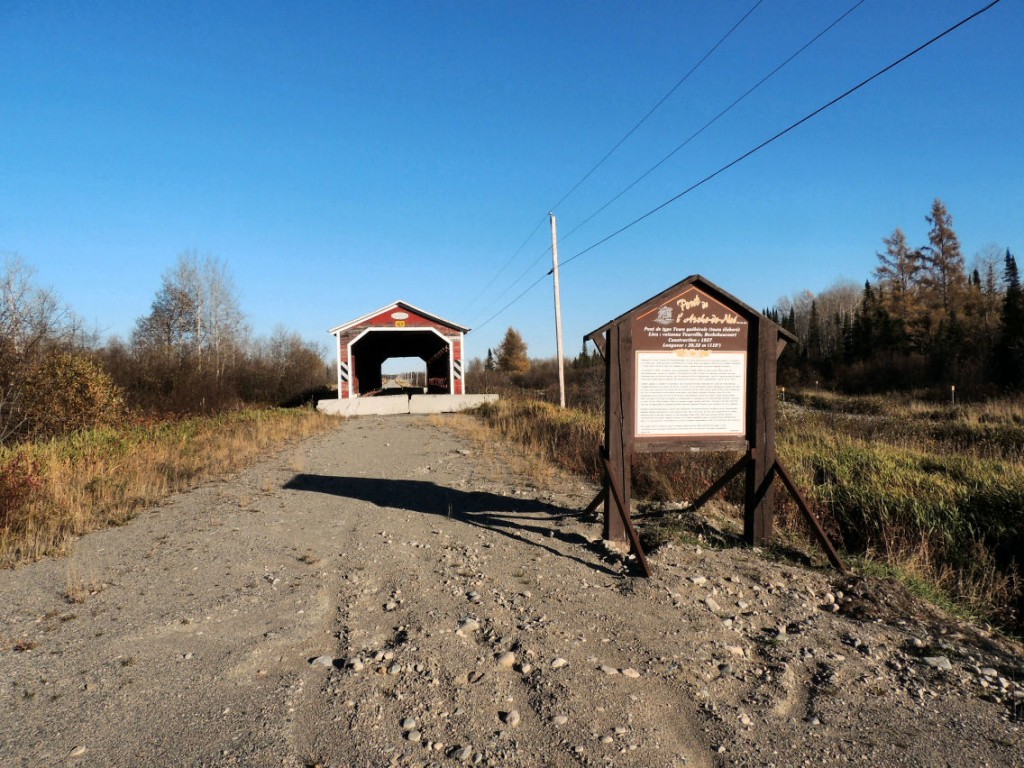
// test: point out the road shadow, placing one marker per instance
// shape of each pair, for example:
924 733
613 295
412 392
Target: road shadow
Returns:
507 515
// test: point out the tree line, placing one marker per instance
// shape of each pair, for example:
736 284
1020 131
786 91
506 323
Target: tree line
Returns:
924 319
193 352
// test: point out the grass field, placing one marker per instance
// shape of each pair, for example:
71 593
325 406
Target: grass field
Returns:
52 491
932 494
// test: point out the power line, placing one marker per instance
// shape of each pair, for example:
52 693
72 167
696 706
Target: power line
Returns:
506 265
714 120
524 273
528 288
784 131
655 108
607 155
661 162
750 152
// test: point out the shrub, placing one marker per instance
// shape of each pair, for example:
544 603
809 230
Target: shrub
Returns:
67 392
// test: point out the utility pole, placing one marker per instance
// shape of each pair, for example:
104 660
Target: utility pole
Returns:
558 311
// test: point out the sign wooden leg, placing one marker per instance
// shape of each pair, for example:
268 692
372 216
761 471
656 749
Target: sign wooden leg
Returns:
615 442
819 532
627 524
592 506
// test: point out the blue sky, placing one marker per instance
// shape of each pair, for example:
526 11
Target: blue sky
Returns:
338 156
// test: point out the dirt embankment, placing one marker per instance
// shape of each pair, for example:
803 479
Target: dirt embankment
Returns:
394 594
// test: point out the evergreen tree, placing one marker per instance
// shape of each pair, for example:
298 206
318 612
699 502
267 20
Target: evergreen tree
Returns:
848 339
789 361
583 358
951 349
1009 354
489 362
812 346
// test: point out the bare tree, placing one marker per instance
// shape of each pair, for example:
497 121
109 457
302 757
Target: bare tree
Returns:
986 266
195 316
819 319
282 367
193 334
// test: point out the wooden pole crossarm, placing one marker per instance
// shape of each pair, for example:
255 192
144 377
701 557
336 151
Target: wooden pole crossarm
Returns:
819 532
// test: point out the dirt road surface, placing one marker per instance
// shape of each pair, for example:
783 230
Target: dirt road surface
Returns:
395 594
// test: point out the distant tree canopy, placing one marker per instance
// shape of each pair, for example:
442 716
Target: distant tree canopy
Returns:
191 353
923 320
512 357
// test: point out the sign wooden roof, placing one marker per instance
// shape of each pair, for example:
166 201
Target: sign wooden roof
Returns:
700 282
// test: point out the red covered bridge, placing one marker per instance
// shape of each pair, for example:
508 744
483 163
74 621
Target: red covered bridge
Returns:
399 330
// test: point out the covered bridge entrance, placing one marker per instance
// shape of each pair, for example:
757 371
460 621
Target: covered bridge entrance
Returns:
398 330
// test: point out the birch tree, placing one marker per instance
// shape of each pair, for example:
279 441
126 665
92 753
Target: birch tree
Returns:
195 316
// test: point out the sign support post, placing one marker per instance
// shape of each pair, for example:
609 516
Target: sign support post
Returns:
759 494
617 447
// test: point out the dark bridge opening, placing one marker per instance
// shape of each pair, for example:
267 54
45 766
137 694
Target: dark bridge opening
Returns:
376 346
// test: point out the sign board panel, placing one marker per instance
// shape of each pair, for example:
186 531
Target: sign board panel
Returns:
690 368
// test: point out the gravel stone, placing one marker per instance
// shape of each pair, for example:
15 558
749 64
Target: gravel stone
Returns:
506 660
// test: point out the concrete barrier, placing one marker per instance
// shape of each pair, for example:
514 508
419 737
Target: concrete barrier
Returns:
394 404
447 403
365 406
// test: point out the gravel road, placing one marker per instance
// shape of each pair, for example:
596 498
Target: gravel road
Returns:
393 593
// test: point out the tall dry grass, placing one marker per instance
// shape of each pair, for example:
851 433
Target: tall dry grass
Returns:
52 491
571 438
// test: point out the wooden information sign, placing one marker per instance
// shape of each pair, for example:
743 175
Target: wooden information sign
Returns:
693 369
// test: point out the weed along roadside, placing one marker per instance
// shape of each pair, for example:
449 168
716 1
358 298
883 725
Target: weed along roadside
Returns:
54 490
